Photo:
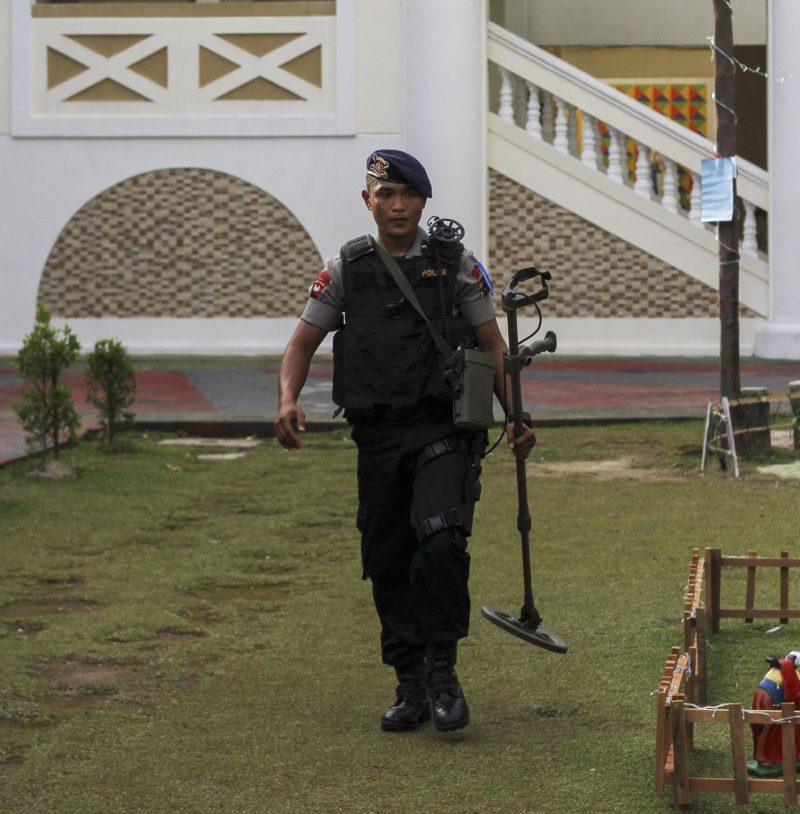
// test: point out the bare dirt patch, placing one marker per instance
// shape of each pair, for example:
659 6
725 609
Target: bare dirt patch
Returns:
82 701
22 584
26 723
236 447
196 671
274 592
170 634
52 470
617 469
28 608
201 615
86 674
21 628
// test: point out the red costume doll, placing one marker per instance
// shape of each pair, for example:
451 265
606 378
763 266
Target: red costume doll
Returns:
781 683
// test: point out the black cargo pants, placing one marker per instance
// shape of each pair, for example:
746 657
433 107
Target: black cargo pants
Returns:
417 486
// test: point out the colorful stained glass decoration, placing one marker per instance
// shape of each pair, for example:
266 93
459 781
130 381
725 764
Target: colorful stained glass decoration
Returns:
685 103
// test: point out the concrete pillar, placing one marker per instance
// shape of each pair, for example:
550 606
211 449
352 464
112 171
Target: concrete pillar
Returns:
779 337
446 92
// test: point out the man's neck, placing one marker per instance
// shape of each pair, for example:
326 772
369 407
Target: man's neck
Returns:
395 247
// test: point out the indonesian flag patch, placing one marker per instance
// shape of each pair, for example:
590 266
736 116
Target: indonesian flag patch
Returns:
323 278
484 281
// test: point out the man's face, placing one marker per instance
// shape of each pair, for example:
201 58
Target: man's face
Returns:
396 208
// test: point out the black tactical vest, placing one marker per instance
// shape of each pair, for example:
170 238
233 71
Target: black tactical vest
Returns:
385 359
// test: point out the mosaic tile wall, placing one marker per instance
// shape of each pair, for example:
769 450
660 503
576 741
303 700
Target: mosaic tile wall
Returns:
196 243
595 274
180 243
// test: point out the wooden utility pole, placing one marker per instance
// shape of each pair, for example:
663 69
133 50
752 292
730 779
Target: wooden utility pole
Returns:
727 231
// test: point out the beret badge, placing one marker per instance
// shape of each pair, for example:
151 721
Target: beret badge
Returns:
379 167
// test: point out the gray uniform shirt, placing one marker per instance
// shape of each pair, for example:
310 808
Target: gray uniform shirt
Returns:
473 289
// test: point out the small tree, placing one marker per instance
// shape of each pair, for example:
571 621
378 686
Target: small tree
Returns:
47 411
111 385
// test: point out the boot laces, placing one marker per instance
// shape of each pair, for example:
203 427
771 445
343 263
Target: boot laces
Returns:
411 684
441 673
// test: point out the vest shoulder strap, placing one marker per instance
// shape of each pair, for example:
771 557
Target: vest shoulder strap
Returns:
356 248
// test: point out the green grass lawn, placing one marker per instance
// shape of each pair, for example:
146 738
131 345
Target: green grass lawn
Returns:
180 635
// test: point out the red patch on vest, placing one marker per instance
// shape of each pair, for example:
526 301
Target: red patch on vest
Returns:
480 276
323 278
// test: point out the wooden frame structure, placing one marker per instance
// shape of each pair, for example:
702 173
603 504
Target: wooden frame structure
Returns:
716 561
683 688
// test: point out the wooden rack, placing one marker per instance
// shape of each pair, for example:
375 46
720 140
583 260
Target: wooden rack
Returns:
684 686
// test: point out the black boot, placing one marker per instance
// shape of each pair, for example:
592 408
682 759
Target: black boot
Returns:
412 706
450 710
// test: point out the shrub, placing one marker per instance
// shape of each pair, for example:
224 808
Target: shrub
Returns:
47 411
111 385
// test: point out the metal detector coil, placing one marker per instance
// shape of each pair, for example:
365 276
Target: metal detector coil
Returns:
528 625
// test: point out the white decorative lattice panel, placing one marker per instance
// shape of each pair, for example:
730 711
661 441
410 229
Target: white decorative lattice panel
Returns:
232 75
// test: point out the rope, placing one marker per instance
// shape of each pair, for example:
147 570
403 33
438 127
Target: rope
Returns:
750 712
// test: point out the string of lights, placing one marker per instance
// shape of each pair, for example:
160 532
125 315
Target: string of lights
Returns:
737 63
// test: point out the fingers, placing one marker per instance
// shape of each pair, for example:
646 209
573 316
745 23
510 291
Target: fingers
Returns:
287 424
521 446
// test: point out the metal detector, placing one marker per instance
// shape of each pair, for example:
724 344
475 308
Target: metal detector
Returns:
528 625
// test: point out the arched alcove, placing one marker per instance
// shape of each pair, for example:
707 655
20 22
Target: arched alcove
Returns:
183 242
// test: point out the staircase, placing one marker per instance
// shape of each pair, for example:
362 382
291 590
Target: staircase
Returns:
545 135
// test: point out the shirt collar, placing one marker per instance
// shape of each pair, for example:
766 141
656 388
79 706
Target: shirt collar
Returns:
416 247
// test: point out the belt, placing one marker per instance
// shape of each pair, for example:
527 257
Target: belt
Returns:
427 411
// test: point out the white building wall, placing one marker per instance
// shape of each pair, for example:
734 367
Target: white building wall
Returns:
780 336
405 55
380 84
621 22
5 66
47 181
446 108
318 178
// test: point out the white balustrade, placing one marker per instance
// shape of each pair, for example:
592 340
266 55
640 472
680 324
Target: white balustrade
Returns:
643 184
520 101
749 241
561 142
696 200
614 156
548 118
589 142
533 124
669 199
506 109
573 131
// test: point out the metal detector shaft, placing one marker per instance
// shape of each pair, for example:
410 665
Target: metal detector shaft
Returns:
528 626
514 361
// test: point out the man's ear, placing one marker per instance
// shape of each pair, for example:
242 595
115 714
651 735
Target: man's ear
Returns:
365 198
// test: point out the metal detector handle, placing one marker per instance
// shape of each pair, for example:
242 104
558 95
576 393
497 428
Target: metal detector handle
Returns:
514 364
519 356
513 300
546 345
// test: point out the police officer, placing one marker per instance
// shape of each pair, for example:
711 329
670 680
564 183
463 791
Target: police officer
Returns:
417 473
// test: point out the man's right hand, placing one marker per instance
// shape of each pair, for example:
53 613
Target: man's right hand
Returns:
291 420
291 378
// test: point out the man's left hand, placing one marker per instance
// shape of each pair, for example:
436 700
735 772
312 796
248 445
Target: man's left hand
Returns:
522 446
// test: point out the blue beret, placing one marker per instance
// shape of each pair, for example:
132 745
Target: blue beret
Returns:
398 167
